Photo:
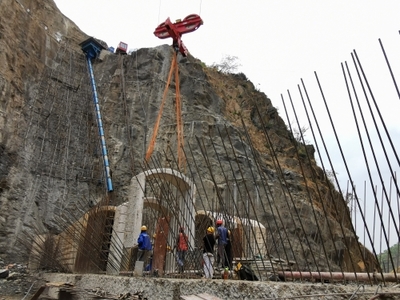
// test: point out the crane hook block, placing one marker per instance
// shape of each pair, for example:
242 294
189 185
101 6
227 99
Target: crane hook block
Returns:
175 30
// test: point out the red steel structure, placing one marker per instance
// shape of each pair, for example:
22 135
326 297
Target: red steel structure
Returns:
175 30
122 48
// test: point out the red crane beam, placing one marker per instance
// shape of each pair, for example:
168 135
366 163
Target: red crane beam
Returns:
175 30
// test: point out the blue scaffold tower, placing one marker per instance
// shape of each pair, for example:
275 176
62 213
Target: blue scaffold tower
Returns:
92 48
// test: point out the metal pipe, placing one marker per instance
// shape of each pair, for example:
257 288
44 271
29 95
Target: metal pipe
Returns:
358 68
387 277
344 160
379 135
310 112
282 183
100 127
302 168
390 68
267 191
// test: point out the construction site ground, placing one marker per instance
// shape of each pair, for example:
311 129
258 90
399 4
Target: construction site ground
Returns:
90 286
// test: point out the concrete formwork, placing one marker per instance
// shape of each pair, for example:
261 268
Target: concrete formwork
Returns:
128 219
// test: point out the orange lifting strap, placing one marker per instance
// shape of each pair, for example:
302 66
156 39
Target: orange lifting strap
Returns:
179 124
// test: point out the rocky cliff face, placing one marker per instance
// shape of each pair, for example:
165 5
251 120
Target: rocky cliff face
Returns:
30 36
50 162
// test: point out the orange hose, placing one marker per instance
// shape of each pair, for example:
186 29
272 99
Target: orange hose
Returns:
150 149
178 111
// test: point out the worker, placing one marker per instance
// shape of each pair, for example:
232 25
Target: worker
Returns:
181 248
149 266
222 237
208 252
144 244
228 251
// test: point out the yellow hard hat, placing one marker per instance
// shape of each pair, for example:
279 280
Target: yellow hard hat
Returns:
210 229
143 227
238 267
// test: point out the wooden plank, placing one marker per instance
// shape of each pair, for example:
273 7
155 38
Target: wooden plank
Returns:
202 296
38 293
59 284
191 297
206 296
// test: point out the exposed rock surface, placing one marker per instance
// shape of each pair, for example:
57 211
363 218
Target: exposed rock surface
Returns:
49 160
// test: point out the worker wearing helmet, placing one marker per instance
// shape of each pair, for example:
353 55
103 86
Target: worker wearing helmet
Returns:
144 244
208 252
222 237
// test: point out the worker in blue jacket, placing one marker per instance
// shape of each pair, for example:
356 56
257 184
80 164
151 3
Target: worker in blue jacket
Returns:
144 244
222 237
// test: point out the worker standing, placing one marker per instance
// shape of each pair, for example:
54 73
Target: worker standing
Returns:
222 237
144 244
181 248
208 252
228 251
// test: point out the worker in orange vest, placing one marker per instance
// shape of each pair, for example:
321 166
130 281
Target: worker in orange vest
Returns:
181 248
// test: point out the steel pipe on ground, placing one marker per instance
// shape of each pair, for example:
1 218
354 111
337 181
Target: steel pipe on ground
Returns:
376 277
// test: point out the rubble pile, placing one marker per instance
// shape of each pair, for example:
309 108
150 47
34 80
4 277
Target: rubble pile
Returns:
15 280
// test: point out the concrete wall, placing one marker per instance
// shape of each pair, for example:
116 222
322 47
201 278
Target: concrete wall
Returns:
173 289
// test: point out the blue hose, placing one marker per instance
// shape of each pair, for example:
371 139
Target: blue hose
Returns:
100 126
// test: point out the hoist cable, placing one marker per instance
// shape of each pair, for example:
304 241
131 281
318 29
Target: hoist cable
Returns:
200 8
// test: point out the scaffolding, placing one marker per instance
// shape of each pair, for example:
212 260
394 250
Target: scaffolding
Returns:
96 231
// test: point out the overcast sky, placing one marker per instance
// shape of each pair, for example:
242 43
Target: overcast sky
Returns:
277 44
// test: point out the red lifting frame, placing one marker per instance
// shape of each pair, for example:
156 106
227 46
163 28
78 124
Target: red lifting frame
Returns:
175 30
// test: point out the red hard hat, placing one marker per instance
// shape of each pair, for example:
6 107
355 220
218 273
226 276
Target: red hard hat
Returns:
219 222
